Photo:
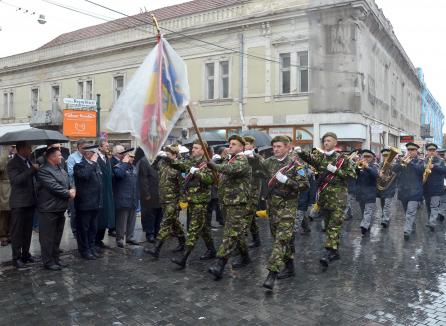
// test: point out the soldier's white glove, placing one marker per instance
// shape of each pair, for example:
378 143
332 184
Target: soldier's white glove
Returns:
216 157
332 168
281 177
249 153
298 149
162 154
193 170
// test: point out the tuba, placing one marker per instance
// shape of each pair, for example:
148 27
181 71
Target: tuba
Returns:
386 175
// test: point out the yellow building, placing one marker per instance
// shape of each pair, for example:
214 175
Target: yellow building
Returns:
294 67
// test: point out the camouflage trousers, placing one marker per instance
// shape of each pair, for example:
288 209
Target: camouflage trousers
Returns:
282 221
234 234
198 225
170 226
252 222
333 219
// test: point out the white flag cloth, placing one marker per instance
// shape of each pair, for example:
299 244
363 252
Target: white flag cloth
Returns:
153 100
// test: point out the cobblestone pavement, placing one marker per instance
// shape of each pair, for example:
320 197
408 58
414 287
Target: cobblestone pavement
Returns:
380 280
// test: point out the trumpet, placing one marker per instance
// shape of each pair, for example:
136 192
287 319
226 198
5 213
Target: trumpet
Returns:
405 160
362 164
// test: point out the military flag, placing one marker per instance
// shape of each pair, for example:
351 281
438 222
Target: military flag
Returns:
153 100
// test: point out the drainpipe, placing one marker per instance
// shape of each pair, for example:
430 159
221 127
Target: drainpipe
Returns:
241 97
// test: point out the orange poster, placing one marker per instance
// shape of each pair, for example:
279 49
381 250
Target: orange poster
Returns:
79 123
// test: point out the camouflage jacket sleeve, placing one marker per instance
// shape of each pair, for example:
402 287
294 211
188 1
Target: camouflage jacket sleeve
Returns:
237 167
347 169
297 179
205 176
257 164
181 165
310 158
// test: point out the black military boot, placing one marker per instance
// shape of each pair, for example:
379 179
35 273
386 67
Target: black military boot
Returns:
155 251
242 261
210 253
287 271
305 225
270 280
181 243
334 255
182 261
325 259
218 268
255 241
440 217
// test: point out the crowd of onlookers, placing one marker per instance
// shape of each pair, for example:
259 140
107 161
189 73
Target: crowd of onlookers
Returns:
99 189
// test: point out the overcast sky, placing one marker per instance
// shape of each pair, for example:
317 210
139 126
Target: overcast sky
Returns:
420 27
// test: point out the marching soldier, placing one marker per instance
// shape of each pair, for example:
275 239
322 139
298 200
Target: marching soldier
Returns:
442 211
234 187
333 169
169 190
367 172
256 183
410 185
287 178
386 195
197 188
434 173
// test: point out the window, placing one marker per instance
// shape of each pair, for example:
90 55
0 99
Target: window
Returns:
55 91
302 62
34 99
285 73
224 79
8 105
210 81
85 89
118 86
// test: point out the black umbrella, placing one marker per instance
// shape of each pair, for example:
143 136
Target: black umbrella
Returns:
210 137
41 149
262 138
33 136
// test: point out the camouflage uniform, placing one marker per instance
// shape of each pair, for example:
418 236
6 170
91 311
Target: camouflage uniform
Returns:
254 196
333 199
169 190
282 208
197 193
234 188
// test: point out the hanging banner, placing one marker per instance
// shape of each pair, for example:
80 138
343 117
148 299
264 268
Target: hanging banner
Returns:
79 124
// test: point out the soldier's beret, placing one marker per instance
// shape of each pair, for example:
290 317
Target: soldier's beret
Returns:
238 138
412 146
90 148
172 149
280 139
249 139
329 134
431 146
367 152
126 151
289 138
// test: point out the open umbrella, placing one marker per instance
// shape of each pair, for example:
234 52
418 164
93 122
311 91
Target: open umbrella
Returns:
33 136
210 137
39 150
262 138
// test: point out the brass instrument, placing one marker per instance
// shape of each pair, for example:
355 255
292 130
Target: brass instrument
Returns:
386 175
405 160
362 164
427 170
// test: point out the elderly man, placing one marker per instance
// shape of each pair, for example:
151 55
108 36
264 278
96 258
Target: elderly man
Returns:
88 201
52 201
126 199
72 160
21 174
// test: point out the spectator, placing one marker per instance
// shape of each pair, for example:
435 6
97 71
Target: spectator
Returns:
106 219
21 174
126 199
115 159
5 190
151 213
72 160
88 201
52 201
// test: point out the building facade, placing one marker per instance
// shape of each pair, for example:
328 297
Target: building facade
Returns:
432 117
293 67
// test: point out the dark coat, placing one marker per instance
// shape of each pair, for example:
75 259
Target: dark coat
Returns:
148 184
434 185
106 217
366 184
22 179
125 187
54 185
351 185
88 181
410 181
391 190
